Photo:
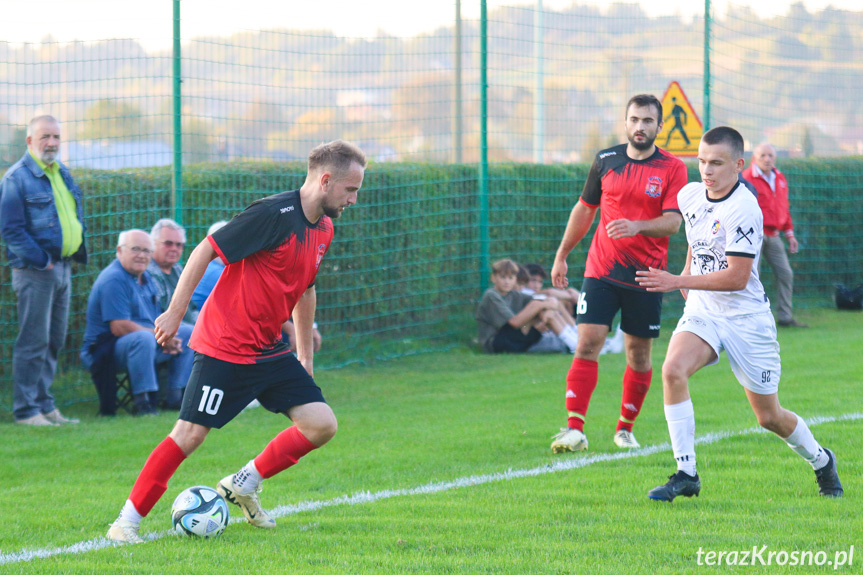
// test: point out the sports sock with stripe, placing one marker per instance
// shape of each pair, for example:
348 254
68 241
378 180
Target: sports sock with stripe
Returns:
635 387
804 444
580 383
681 427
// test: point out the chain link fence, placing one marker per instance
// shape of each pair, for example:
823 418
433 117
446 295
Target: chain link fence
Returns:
241 109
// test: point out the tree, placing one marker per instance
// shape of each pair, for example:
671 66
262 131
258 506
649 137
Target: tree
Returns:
807 146
13 146
197 140
308 130
113 119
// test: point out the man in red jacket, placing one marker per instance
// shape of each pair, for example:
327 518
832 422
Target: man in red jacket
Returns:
773 199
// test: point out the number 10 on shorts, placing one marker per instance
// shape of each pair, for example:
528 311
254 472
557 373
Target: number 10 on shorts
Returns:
211 399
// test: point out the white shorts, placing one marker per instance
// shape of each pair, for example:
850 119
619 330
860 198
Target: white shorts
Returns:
750 342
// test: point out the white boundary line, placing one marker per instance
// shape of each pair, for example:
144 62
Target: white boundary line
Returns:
370 497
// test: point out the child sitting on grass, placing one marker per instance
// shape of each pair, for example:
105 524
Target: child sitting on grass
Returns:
512 322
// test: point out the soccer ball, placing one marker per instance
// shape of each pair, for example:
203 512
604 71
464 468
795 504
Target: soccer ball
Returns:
199 512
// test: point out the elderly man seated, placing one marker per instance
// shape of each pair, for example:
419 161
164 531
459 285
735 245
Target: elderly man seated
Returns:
121 311
169 239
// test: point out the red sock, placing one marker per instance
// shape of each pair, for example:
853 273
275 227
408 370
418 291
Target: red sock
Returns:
635 386
153 479
580 383
283 451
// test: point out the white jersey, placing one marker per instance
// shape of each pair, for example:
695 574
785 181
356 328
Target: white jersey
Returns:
716 229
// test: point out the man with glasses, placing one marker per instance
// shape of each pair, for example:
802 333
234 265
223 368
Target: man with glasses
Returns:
169 239
121 311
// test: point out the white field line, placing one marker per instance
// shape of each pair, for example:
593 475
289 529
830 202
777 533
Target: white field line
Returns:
370 497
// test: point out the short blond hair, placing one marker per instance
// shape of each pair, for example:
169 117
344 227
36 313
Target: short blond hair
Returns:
504 267
337 155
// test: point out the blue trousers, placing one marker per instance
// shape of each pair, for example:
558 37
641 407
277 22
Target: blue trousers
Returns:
137 354
43 315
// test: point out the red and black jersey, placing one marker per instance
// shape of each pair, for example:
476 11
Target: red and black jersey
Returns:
624 188
272 255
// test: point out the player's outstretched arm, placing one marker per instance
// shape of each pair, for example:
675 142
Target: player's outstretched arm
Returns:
580 219
732 278
304 320
168 323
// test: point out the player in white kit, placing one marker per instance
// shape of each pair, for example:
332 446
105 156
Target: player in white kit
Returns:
726 309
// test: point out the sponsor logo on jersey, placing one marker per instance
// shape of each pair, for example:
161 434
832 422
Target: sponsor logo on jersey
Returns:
286 209
322 249
606 154
715 227
654 187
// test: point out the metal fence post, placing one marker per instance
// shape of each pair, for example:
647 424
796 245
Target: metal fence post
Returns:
707 23
483 159
457 120
539 102
177 188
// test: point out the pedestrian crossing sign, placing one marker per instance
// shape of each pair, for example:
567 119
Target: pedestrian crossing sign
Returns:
682 129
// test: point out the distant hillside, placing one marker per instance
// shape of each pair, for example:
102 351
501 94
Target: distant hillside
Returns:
272 93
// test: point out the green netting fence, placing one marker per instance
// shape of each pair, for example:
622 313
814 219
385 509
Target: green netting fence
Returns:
409 261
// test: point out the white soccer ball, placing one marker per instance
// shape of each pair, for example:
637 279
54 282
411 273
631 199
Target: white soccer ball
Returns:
199 512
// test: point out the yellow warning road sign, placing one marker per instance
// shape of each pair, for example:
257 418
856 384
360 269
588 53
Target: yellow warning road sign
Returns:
682 129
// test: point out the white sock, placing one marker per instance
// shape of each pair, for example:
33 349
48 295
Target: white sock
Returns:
129 513
681 427
803 443
248 478
569 336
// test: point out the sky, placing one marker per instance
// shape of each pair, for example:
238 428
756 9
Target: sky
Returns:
151 21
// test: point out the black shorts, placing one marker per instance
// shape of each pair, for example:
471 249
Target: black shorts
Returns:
640 311
511 340
218 390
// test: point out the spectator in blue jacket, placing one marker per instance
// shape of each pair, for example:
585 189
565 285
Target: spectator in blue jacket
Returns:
42 222
122 308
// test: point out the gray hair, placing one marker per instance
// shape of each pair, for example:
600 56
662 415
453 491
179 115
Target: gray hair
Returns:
167 223
765 144
216 227
37 119
121 239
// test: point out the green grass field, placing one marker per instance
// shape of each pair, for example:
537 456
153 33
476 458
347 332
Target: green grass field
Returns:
442 465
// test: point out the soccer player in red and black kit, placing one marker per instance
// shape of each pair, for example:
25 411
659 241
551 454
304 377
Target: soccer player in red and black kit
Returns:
272 252
635 187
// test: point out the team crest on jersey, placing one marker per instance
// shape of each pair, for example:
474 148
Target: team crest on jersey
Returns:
715 227
707 258
322 249
654 187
